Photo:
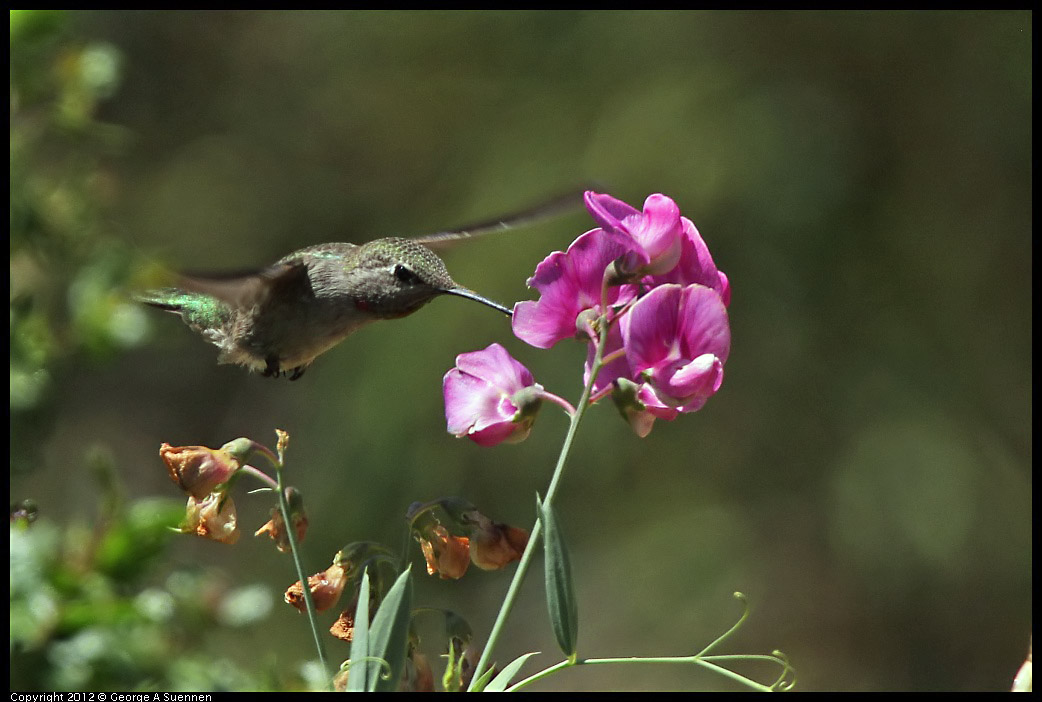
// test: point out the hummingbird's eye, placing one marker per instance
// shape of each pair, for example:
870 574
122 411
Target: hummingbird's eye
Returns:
405 275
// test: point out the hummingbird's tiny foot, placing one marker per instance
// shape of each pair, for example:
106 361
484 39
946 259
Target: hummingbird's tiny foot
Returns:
272 369
298 372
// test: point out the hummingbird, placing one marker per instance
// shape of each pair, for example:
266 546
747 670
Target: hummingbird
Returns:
279 319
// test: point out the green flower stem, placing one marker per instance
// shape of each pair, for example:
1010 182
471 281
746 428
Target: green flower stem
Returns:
551 491
706 662
294 547
291 533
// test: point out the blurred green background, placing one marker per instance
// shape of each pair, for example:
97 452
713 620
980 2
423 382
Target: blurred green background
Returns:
864 179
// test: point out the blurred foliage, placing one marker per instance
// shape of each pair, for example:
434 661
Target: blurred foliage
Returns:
86 610
864 179
94 607
66 267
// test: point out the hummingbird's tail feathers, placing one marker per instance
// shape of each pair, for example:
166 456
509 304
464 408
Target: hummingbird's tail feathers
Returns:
551 207
199 311
165 299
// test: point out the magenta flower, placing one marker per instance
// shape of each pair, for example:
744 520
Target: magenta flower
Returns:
490 397
677 340
695 265
657 231
569 283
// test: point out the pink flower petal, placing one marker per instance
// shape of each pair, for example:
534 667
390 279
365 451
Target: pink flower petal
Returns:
678 338
497 367
654 405
704 327
659 232
649 329
498 433
607 211
467 401
569 283
695 264
724 289
698 378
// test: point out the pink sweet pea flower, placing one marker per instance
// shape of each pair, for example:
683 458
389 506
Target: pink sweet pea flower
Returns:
677 340
657 231
490 397
569 283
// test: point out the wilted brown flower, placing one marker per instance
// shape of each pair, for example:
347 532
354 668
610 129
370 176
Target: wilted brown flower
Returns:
446 554
325 588
344 627
198 469
276 526
493 545
212 518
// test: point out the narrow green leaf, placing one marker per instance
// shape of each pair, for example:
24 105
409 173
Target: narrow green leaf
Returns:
560 594
482 681
389 633
358 673
500 682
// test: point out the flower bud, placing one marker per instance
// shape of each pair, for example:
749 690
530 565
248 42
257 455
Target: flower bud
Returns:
624 395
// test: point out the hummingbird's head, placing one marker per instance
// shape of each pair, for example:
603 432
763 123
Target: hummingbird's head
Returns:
403 275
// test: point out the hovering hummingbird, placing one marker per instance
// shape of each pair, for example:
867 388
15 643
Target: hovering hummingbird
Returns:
279 319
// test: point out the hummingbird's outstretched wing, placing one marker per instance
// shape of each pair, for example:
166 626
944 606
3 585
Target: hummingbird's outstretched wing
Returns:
573 199
286 279
246 289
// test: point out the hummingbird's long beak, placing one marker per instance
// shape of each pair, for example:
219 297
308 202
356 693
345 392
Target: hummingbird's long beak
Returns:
471 295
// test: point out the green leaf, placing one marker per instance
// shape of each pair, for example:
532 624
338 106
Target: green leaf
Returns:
500 682
560 594
482 681
389 633
358 673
